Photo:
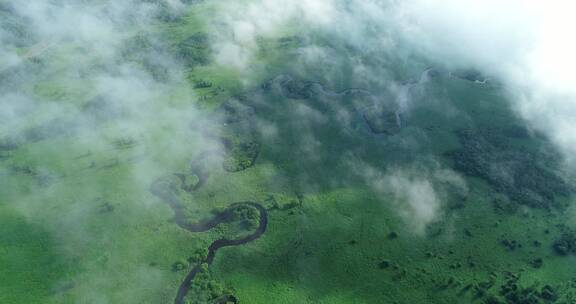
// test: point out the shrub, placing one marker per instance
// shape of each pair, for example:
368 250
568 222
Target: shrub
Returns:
566 244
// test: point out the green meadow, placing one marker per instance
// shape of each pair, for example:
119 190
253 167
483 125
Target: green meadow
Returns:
91 132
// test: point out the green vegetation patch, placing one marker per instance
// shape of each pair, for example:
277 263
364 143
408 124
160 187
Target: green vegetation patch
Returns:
32 265
526 176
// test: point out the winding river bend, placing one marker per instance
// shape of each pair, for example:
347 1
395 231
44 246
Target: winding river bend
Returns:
205 225
219 218
227 215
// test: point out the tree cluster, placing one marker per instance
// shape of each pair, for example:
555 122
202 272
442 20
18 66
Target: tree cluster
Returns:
194 50
511 292
205 289
519 173
239 136
566 243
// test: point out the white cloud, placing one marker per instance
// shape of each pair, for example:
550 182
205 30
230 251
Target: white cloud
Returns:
415 199
418 193
239 24
528 45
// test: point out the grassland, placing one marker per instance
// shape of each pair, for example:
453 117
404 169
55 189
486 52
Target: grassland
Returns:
81 226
